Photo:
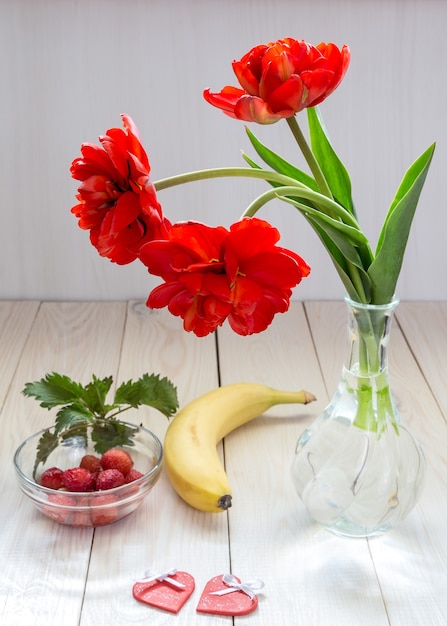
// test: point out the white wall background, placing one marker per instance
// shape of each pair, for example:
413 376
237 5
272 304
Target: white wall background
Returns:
68 68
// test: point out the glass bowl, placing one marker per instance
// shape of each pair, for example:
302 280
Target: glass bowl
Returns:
88 508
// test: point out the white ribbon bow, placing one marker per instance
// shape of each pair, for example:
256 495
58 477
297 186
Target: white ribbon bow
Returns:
150 575
249 587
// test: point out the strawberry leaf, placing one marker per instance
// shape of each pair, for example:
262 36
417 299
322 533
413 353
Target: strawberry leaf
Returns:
71 415
94 395
47 443
53 390
84 404
150 390
111 434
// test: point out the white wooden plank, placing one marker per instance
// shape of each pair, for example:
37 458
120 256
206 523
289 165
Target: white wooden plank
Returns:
311 577
16 319
282 356
45 564
165 532
425 325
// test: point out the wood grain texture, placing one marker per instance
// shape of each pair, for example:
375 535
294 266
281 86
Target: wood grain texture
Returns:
320 579
165 533
16 319
53 575
425 326
43 579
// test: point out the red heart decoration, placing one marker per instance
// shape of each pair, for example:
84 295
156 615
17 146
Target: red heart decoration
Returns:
235 603
162 595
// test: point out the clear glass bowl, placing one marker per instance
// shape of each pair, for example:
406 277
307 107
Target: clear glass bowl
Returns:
95 508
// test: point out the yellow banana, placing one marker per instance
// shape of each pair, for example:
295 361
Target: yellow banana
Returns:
190 453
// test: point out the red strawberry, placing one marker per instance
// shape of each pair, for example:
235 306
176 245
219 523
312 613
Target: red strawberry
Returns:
132 475
107 513
78 479
108 479
130 478
81 517
91 462
52 478
58 513
118 459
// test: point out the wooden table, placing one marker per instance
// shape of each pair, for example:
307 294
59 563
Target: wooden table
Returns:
58 575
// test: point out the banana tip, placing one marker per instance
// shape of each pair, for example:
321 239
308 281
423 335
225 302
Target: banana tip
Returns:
224 502
309 397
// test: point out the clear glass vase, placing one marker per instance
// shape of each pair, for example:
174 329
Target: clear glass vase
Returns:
357 469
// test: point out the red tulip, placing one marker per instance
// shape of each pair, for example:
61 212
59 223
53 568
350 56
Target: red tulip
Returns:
117 201
280 79
213 274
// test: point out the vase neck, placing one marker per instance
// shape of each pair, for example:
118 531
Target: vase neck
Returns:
368 334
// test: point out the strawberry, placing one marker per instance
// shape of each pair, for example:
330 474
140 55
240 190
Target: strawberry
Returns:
81 517
130 478
107 513
108 479
118 459
91 462
59 514
52 478
78 479
132 475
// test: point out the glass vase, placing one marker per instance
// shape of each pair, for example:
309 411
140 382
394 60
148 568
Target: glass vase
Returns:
357 469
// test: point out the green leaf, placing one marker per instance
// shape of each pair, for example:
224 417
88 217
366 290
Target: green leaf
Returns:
47 443
384 271
333 169
53 390
344 262
347 234
150 390
278 164
71 415
110 434
94 395
337 258
347 247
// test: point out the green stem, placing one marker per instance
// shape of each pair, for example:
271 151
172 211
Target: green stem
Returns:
309 156
117 411
325 205
222 172
374 404
356 280
290 186
370 377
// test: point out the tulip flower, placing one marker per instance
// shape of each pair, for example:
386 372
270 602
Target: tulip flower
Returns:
117 201
214 274
280 79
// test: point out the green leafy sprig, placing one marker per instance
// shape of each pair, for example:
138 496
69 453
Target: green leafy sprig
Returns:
81 405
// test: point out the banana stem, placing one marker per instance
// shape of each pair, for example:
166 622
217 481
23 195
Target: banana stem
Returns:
293 397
